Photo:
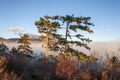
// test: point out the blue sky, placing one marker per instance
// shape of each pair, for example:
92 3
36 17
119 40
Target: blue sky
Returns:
105 14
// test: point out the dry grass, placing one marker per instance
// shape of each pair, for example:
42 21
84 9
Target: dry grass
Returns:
18 67
4 74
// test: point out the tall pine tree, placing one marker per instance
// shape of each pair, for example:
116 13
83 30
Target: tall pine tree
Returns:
24 44
71 25
74 25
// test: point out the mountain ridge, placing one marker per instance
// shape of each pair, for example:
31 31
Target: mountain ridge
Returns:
15 39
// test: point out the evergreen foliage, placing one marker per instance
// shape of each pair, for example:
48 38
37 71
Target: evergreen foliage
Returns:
70 24
24 45
3 48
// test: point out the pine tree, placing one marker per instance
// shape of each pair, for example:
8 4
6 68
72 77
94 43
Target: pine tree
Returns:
76 25
70 24
3 48
47 26
14 51
25 44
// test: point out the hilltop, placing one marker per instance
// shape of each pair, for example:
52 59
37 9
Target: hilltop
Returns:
2 39
15 39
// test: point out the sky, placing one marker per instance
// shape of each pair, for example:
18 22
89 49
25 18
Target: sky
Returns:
18 16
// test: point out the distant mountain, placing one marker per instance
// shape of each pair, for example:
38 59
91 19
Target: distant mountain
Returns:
2 39
15 39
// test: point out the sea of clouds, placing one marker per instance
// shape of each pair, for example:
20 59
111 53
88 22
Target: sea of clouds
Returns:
100 48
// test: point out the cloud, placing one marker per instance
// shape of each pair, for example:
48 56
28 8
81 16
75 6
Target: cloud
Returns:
18 31
15 29
33 35
107 30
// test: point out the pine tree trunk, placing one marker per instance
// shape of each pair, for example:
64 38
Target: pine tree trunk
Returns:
66 45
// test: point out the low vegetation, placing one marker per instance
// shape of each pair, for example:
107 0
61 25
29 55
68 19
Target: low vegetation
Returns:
14 65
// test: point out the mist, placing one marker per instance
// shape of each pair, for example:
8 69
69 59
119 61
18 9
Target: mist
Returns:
101 48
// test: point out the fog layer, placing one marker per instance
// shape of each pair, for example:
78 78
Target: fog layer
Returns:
101 48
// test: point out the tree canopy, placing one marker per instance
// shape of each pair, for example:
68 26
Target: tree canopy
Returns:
24 44
70 23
